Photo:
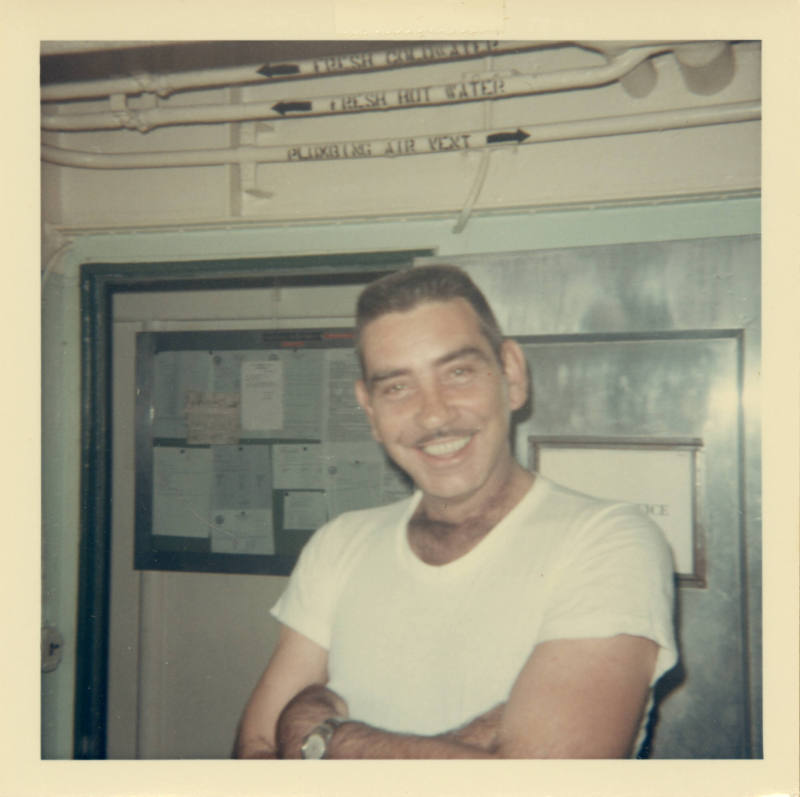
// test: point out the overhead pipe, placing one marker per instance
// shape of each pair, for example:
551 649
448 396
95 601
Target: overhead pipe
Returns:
122 116
399 57
492 87
348 64
480 176
421 145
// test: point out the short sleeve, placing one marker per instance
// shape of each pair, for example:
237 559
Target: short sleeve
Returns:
309 601
305 604
616 577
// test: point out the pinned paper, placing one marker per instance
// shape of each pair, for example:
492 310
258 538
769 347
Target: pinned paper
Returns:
344 420
182 483
243 532
298 465
212 418
262 395
304 510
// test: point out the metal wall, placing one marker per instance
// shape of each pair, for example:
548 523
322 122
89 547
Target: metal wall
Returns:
661 342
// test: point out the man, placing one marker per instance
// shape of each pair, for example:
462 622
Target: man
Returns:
493 614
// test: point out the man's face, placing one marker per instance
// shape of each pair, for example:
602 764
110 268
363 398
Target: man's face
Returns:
438 399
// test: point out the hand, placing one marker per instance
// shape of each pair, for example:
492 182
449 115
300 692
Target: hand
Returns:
302 714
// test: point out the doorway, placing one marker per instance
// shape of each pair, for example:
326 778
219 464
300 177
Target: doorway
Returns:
207 290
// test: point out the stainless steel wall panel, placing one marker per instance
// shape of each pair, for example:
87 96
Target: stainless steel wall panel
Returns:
661 341
665 285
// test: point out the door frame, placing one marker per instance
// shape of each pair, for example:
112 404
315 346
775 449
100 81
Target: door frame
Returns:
99 282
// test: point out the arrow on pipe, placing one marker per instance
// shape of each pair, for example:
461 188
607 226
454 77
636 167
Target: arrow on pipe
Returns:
278 70
499 138
284 107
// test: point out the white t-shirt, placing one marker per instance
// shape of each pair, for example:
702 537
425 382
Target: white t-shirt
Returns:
422 649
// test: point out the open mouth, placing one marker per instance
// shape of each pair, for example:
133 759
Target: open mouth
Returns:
446 447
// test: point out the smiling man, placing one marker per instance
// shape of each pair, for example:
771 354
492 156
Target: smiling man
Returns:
494 614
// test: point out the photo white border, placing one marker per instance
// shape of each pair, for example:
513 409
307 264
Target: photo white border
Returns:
775 22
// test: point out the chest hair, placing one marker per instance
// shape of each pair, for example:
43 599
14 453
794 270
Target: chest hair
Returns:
439 542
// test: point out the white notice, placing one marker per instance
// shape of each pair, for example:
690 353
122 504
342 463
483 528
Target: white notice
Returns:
304 510
244 531
298 466
212 418
262 395
182 482
353 475
659 481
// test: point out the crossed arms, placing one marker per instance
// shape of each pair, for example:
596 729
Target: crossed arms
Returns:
574 698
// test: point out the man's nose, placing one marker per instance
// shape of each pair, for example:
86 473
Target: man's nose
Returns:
434 410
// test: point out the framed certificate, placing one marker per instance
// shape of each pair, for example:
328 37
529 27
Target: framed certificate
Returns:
660 476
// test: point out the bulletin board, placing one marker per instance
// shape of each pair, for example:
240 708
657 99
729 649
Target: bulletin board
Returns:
246 442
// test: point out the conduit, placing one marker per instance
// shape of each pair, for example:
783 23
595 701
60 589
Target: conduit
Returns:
355 63
483 170
418 145
491 87
324 66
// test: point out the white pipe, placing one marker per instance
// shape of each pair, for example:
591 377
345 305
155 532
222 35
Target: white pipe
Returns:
483 170
420 145
53 259
151 118
494 86
144 82
164 85
393 58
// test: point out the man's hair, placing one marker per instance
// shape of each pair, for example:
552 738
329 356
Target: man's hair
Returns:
404 290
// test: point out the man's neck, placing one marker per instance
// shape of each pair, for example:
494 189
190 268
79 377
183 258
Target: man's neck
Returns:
439 537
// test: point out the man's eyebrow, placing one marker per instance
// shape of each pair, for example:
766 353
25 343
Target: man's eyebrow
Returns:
382 376
464 351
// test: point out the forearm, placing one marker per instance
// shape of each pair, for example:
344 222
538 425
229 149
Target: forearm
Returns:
283 738
253 745
302 714
355 740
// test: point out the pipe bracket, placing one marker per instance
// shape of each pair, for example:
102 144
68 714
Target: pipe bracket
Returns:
123 114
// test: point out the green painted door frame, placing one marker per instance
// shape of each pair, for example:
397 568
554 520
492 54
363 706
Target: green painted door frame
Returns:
99 282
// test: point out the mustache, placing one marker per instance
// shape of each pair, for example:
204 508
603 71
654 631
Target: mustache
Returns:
441 433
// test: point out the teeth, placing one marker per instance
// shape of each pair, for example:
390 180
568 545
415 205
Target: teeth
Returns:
449 447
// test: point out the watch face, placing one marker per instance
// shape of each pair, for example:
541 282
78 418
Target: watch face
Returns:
314 746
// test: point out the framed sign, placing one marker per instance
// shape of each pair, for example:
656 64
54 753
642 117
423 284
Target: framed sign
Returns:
660 476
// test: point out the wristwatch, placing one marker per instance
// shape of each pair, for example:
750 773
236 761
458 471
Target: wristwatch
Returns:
315 745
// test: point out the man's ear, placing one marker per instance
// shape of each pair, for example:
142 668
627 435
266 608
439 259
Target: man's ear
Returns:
515 367
363 399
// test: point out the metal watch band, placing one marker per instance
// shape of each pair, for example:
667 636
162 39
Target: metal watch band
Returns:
315 745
